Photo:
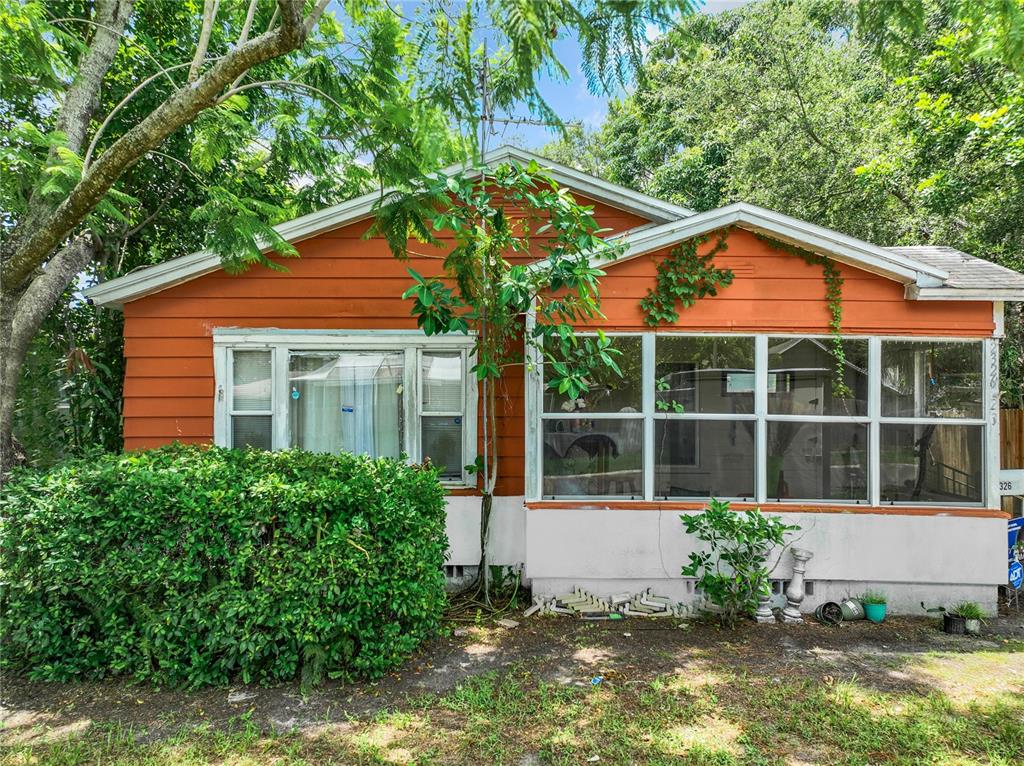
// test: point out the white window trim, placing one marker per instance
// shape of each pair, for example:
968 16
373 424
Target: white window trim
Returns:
874 420
283 343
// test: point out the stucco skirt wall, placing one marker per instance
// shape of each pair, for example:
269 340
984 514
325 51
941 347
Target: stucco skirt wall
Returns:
935 559
508 531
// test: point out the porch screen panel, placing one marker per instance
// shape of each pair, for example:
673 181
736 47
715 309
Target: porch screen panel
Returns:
932 431
593 445
347 402
931 379
818 429
704 425
593 457
704 458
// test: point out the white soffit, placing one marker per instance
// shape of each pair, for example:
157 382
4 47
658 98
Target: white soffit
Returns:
119 291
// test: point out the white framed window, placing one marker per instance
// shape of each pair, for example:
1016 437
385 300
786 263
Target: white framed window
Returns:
932 425
771 418
379 393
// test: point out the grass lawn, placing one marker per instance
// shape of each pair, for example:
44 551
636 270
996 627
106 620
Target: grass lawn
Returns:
801 695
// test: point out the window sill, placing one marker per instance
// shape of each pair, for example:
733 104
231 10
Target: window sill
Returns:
786 507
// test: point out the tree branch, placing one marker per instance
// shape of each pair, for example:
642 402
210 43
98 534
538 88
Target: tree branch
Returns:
116 109
278 83
84 93
141 48
209 14
33 246
244 36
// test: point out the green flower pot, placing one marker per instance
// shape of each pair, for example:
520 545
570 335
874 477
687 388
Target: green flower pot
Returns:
874 612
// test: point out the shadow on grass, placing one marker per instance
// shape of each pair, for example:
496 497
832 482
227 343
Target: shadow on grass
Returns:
803 694
514 718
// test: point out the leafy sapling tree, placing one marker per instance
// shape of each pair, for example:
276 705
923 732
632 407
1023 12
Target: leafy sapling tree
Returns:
732 568
522 253
119 118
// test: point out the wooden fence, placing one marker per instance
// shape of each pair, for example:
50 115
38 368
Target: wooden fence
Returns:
1011 434
1011 448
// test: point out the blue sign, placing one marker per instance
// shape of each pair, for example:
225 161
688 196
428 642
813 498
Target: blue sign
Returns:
347 409
1013 529
1016 575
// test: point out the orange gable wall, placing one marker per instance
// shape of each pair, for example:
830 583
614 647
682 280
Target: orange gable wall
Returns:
775 291
342 281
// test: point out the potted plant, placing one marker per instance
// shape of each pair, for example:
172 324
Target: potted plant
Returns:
874 605
965 617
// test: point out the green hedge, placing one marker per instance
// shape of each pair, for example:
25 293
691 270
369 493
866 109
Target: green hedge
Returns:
192 566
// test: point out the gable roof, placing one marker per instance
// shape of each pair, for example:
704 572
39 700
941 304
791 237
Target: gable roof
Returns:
117 292
969 278
928 272
785 228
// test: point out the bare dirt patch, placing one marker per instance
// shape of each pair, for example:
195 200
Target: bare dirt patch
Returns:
903 655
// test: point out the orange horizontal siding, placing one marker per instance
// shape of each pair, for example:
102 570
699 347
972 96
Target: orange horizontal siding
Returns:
774 291
170 427
345 282
165 367
181 406
159 387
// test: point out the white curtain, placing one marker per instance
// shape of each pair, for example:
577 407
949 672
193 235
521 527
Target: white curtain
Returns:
347 402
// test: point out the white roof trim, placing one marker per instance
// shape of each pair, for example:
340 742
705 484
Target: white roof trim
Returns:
841 247
119 291
917 293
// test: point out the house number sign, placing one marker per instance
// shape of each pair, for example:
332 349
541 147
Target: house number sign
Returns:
1011 482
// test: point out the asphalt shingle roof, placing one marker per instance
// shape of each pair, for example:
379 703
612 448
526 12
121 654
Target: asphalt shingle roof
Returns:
965 271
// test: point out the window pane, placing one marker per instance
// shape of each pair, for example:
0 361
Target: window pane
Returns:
252 387
817 461
931 463
251 431
593 457
442 443
347 402
930 379
704 458
442 382
711 374
608 392
802 377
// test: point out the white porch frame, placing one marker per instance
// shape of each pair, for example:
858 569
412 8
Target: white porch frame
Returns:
874 420
282 343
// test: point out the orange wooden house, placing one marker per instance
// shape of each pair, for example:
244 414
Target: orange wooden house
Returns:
893 476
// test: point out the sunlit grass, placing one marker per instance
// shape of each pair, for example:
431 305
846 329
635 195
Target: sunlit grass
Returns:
698 715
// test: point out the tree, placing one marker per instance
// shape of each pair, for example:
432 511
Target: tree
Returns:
63 181
256 87
900 123
519 275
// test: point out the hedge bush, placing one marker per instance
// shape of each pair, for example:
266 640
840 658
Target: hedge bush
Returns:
189 566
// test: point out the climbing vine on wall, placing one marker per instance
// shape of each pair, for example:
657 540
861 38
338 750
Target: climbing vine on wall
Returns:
684 277
834 300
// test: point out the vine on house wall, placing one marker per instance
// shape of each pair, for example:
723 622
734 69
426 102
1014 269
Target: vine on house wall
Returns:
834 300
684 277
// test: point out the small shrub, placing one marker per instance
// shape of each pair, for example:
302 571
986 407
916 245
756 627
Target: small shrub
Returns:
968 610
873 597
733 571
191 566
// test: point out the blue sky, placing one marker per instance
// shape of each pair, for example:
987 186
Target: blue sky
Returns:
572 100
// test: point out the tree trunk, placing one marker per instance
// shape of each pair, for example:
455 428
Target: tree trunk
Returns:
490 479
26 296
21 316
